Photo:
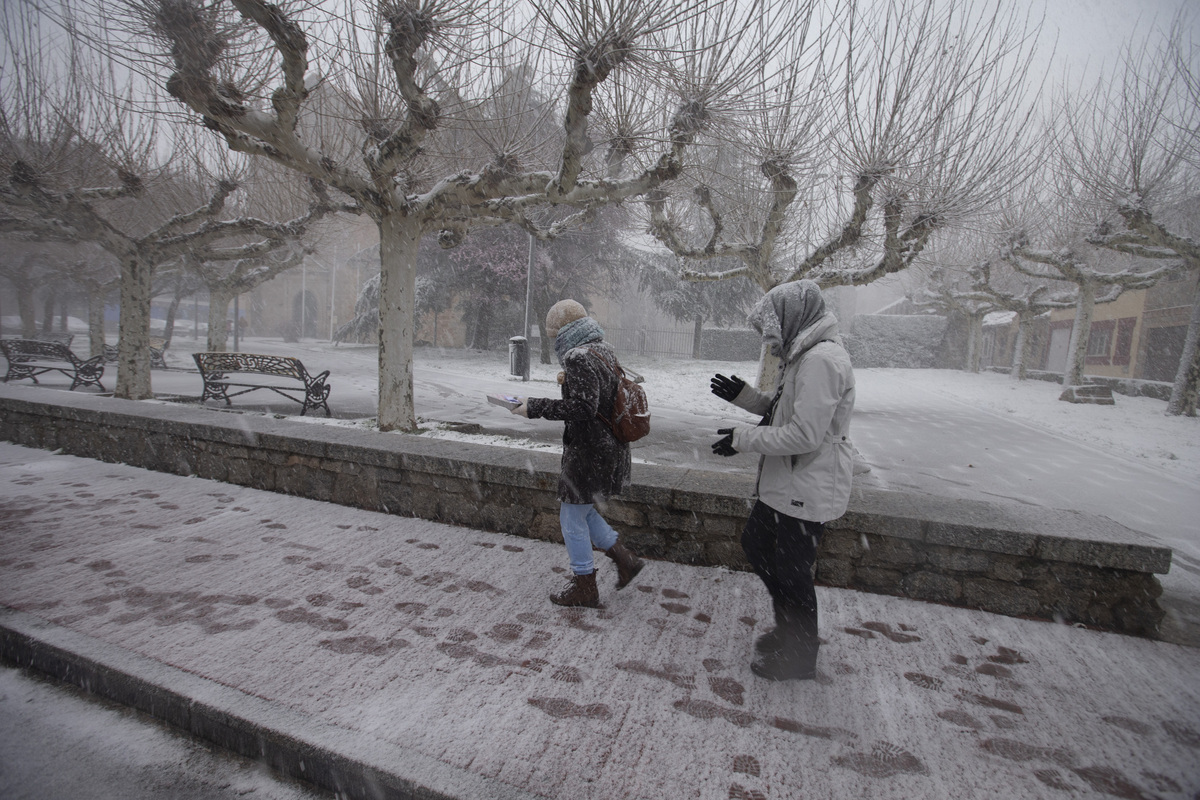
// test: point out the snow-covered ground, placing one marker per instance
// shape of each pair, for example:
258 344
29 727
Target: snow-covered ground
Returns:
441 640
651 697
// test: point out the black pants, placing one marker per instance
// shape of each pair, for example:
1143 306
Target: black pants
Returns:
782 550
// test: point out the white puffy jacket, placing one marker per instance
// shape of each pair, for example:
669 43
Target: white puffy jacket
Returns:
807 459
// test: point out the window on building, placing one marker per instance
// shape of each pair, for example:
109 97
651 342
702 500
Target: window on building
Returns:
1099 344
1124 345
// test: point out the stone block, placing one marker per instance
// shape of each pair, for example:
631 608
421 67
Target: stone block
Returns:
1094 395
545 526
660 518
926 585
1139 619
684 551
1000 598
440 483
844 544
396 497
887 552
876 579
215 468
514 518
359 489
834 572
1139 558
953 559
248 472
646 542
1005 568
968 537
720 528
304 481
621 513
426 505
892 527
725 553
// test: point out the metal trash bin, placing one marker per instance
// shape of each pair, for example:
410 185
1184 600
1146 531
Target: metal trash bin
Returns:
518 357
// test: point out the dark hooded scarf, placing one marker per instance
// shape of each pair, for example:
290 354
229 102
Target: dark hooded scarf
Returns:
785 312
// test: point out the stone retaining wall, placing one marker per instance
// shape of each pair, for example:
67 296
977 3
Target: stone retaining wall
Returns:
1006 559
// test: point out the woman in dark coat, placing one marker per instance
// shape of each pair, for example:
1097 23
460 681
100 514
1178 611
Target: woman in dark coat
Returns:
595 466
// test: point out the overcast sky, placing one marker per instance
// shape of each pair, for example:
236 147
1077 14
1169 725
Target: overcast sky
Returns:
1092 32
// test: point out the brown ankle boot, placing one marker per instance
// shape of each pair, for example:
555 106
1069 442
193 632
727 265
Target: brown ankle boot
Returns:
581 591
628 565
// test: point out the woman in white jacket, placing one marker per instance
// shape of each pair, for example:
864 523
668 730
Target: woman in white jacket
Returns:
805 471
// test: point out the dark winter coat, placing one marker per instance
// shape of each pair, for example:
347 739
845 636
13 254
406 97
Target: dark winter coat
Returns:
594 464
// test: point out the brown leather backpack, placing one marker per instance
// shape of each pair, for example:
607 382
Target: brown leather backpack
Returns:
630 408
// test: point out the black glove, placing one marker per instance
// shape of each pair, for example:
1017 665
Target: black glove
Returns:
724 447
727 388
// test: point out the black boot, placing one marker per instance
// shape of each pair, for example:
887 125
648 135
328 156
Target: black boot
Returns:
769 642
628 565
789 652
581 591
785 664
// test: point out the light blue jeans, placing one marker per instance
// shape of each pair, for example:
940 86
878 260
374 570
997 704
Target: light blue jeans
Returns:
583 528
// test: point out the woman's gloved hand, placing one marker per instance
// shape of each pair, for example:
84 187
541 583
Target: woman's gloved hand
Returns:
724 447
727 388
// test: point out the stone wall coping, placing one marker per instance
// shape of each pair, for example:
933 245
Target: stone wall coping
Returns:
1008 528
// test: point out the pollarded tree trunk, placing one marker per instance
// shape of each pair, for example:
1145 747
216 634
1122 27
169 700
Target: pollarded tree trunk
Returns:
399 241
169 327
697 336
133 347
540 308
48 311
27 309
481 333
1077 348
1019 370
96 321
974 341
218 319
1187 379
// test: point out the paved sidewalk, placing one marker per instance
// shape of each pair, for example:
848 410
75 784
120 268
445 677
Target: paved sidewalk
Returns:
387 653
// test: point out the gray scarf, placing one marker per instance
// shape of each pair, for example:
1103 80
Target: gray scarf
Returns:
577 333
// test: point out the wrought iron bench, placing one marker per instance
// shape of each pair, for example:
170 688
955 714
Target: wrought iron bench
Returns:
57 337
28 358
156 353
222 372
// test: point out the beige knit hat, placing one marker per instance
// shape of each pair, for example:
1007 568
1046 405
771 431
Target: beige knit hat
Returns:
564 312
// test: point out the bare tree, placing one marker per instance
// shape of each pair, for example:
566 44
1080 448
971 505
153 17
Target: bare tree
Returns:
1094 285
944 292
84 166
79 214
895 120
1131 147
97 276
26 274
412 71
1027 299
